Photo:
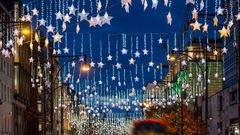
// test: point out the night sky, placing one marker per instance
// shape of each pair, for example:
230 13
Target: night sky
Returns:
137 23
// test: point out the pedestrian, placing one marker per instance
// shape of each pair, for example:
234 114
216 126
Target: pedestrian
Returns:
149 127
219 131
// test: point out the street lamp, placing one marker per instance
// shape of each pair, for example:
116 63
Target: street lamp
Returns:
85 67
172 58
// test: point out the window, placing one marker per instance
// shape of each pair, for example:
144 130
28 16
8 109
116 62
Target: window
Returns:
220 102
8 70
16 79
5 91
233 97
1 64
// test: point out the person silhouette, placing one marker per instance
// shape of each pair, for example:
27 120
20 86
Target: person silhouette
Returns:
149 127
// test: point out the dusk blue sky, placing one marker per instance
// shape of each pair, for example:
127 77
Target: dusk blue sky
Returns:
136 23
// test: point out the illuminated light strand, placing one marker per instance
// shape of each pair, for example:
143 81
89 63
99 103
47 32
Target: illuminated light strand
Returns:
124 77
109 49
90 46
131 51
117 50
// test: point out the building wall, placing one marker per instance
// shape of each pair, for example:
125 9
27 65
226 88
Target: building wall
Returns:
6 95
223 110
6 76
223 106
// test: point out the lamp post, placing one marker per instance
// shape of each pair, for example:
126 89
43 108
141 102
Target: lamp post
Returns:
85 68
173 58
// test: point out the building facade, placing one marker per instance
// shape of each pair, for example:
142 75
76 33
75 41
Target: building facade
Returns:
226 101
6 71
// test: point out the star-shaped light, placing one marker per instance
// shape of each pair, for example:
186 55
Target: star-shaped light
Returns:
137 54
203 61
50 28
208 48
35 12
113 78
220 11
23 19
131 61
118 65
224 50
190 2
66 50
145 52
72 10
136 79
92 64
107 19
48 65
184 63
73 64
238 16
223 32
215 52
150 64
59 15
230 23
31 59
92 22
67 18
169 18
155 82
98 20
160 40
57 37
205 27
42 22
154 4
109 57
194 14
215 21
196 25
28 17
100 82
16 32
124 51
83 15
100 64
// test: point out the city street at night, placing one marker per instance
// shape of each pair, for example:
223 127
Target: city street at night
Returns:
119 67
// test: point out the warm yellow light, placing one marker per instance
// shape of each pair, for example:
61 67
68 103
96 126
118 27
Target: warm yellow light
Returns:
85 67
25 32
172 58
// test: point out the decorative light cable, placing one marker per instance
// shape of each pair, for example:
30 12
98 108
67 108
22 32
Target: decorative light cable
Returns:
107 85
117 51
109 49
238 6
106 5
42 10
226 5
119 78
91 6
231 10
151 47
124 77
